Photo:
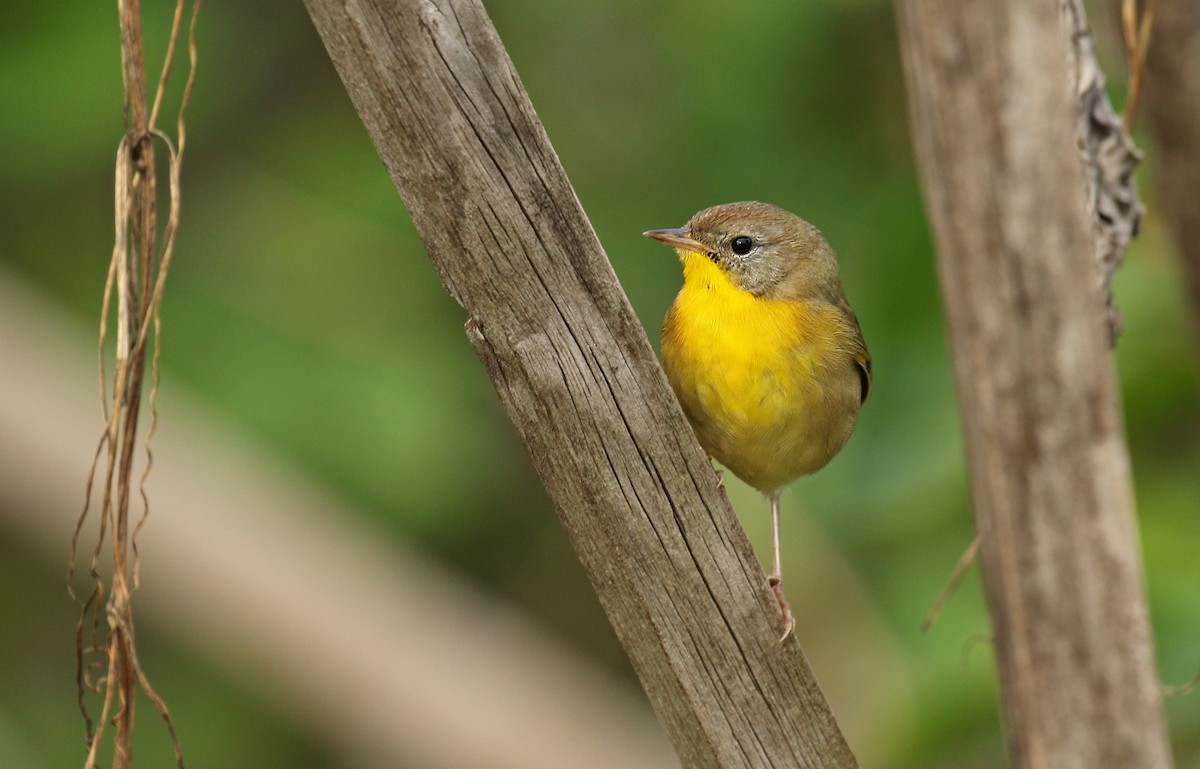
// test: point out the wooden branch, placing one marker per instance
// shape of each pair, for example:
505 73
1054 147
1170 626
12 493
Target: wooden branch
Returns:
1173 117
573 367
994 125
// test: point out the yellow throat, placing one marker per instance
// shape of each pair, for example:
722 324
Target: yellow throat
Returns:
749 373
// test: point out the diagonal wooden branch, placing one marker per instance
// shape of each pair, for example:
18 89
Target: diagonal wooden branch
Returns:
673 569
994 123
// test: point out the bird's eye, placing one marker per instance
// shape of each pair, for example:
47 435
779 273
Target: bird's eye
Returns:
741 245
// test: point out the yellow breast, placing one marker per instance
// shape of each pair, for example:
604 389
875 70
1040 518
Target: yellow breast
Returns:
769 386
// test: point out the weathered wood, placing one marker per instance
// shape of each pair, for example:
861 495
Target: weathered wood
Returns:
1110 159
573 367
994 123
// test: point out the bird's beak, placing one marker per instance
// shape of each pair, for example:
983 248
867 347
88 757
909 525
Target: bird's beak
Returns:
679 237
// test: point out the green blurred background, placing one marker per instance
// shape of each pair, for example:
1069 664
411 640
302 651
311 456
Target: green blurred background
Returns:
302 305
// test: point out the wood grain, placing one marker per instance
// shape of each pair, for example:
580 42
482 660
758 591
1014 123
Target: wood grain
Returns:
994 122
573 368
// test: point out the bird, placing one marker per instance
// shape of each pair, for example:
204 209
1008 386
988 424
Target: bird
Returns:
763 351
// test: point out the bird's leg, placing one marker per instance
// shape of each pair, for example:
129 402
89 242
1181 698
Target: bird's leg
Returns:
776 578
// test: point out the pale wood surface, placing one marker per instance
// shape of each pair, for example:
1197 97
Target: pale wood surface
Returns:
994 123
573 368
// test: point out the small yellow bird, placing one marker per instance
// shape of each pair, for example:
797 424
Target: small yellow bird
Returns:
762 349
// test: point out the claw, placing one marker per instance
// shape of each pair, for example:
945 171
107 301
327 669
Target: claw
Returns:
789 627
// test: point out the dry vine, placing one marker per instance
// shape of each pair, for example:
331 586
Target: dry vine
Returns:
106 661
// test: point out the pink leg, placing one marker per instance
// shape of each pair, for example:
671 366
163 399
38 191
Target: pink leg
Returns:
776 578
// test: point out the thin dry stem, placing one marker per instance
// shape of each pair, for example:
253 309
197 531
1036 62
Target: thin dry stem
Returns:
94 740
136 278
1183 689
1136 31
168 60
956 578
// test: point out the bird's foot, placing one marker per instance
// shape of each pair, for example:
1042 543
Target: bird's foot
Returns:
720 478
789 620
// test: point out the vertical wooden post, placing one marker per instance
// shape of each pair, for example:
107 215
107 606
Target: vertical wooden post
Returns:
993 115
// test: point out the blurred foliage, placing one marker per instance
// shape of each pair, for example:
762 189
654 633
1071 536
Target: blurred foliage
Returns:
302 304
